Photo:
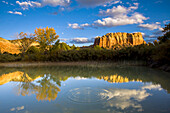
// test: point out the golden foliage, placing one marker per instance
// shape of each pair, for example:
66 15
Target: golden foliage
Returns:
45 36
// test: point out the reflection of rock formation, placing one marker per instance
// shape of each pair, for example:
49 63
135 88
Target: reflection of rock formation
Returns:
17 76
117 79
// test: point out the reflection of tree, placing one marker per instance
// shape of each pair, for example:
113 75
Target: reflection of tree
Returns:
45 89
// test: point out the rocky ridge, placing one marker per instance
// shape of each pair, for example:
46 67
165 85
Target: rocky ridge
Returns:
111 39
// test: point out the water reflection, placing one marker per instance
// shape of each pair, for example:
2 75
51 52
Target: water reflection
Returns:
45 89
114 89
117 79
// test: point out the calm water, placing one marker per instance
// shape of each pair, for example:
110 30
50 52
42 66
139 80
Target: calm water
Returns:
84 89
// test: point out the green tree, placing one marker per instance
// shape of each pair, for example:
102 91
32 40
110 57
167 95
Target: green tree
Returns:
166 36
97 47
45 37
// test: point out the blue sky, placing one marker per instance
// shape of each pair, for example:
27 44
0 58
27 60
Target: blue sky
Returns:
80 21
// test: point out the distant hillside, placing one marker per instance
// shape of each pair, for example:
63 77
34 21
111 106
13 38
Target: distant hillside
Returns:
11 46
7 46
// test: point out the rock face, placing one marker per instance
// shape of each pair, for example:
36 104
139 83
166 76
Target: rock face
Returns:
11 46
111 39
7 46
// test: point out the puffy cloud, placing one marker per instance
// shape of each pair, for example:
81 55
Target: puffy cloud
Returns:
120 16
120 19
55 2
115 11
151 26
119 11
93 3
85 25
81 40
74 26
124 20
26 5
77 26
117 16
17 13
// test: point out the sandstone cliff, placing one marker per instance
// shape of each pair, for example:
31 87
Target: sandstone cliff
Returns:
111 39
7 46
11 46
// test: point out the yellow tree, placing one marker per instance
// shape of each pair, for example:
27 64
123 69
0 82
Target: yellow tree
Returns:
45 37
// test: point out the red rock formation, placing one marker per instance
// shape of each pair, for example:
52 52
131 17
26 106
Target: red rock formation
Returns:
111 39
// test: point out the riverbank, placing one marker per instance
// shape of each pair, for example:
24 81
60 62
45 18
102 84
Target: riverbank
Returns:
89 64
85 63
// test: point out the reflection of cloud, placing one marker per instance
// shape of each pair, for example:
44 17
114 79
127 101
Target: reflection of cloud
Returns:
17 108
125 98
152 86
80 78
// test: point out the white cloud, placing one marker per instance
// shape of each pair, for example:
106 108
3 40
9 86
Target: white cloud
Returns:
151 26
165 21
26 5
55 2
18 13
120 15
93 3
116 16
85 25
74 26
121 20
77 26
4 2
115 11
80 40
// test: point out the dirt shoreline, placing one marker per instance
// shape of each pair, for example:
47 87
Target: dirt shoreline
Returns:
85 63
